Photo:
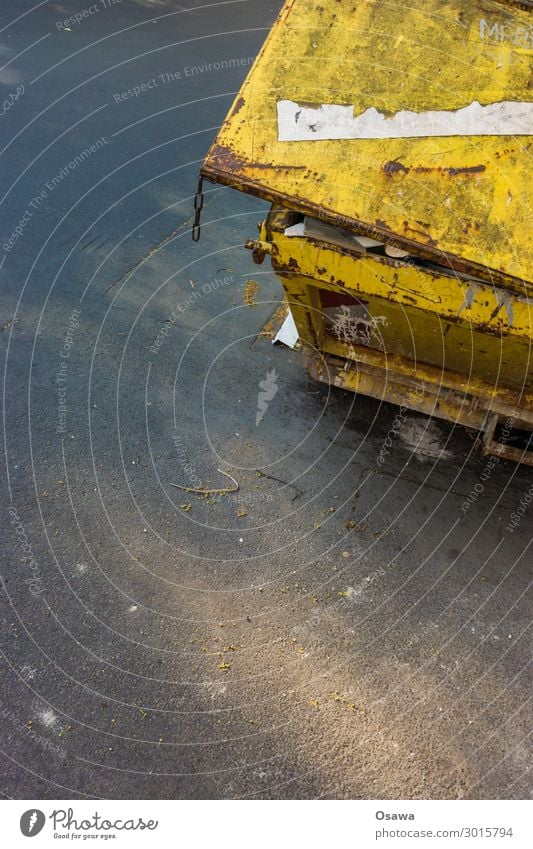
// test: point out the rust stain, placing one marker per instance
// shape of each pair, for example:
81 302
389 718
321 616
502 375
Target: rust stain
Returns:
472 169
221 158
495 311
429 239
311 329
239 103
426 251
394 166
293 265
379 229
271 327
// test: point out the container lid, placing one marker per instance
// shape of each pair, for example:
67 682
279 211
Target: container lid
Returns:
407 122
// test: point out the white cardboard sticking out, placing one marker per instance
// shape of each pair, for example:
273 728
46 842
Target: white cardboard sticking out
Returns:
295 230
287 334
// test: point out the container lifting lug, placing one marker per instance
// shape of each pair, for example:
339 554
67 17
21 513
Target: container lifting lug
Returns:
259 249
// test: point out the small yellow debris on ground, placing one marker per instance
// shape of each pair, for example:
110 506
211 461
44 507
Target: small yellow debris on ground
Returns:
251 289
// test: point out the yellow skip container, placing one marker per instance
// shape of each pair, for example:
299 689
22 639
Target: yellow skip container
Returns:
394 142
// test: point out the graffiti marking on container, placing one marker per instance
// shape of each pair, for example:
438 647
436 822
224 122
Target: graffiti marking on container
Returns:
349 325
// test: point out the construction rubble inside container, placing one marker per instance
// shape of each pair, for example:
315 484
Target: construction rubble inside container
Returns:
313 228
322 231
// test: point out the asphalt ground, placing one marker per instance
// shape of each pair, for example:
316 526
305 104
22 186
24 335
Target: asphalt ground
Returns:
338 627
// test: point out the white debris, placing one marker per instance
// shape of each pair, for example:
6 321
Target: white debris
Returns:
287 334
47 717
390 250
314 228
295 230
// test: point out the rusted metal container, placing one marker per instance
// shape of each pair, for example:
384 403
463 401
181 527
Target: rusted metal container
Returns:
395 145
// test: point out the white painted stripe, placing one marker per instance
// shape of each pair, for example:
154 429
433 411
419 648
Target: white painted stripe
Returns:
330 121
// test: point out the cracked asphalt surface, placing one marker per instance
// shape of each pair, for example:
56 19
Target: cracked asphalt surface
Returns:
335 628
